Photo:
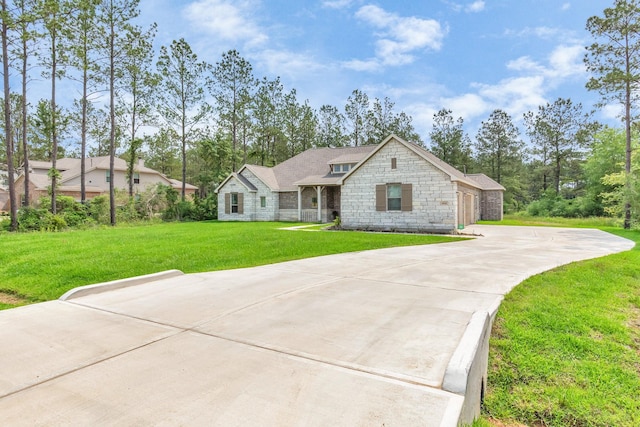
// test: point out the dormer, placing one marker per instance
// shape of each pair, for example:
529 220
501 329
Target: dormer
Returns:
341 167
344 163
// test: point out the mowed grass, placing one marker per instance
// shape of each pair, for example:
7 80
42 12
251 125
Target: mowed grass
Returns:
565 347
42 266
523 219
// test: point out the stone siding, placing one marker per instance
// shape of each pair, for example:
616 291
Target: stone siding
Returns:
288 200
491 205
252 210
433 193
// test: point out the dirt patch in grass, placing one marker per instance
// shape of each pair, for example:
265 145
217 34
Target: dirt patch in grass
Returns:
498 423
7 297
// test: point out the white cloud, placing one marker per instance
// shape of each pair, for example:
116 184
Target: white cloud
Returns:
476 6
566 6
515 95
468 105
567 61
612 112
525 64
369 65
337 4
228 20
563 62
286 63
399 37
544 33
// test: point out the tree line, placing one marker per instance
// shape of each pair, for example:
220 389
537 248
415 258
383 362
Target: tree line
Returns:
209 119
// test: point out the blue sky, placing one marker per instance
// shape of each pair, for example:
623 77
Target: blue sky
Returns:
470 56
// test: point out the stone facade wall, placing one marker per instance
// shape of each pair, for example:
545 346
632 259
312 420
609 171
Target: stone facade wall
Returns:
252 209
269 212
491 205
5 206
288 200
433 193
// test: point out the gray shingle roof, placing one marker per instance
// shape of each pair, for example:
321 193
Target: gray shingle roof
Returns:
246 182
314 163
263 173
312 167
486 182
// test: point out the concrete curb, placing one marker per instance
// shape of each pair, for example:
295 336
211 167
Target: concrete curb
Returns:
467 370
118 284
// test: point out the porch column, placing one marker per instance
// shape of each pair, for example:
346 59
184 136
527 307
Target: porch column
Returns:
299 203
319 198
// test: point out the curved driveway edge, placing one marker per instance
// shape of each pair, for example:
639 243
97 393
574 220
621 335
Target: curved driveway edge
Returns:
387 337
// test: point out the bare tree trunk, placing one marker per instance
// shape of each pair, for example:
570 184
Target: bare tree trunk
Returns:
54 113
627 126
184 151
7 120
112 117
83 138
25 144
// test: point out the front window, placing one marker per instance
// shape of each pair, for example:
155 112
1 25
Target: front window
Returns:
108 175
314 202
136 178
234 202
263 202
394 197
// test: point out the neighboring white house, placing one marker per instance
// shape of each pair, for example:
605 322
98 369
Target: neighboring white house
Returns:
395 185
97 178
4 187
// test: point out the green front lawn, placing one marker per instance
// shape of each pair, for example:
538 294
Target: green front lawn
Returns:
42 266
565 347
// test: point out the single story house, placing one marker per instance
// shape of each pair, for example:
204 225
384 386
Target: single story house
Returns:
97 177
395 185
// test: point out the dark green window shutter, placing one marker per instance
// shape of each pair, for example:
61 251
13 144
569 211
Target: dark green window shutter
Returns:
407 198
227 203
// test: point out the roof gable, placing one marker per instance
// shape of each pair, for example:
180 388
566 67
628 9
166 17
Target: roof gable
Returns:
453 173
264 174
241 179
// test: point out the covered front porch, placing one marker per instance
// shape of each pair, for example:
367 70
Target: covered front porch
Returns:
318 203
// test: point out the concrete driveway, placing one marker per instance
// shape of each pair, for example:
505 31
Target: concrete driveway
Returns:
393 337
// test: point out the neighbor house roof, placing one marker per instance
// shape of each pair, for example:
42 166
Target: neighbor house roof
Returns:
71 168
42 182
176 183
